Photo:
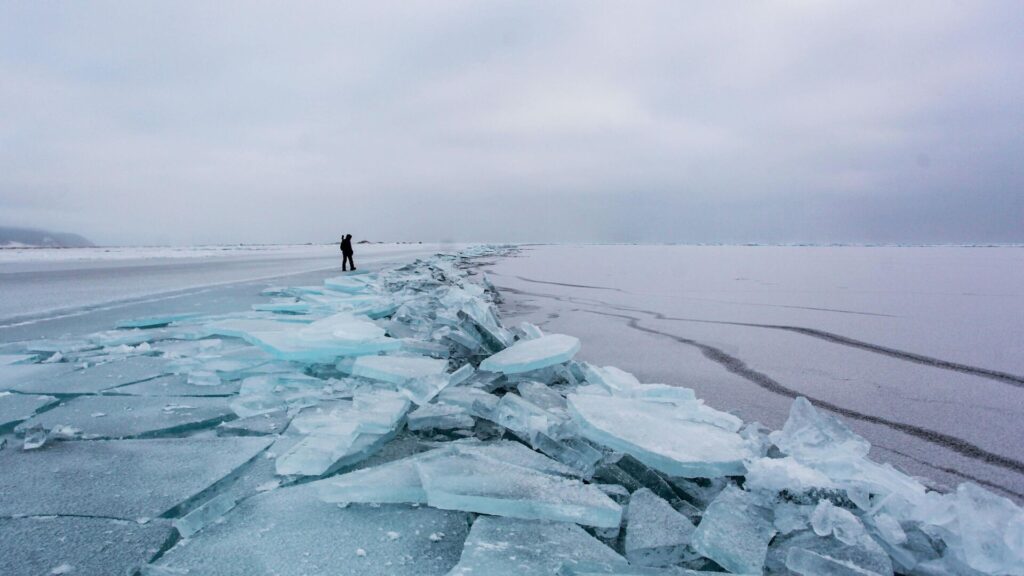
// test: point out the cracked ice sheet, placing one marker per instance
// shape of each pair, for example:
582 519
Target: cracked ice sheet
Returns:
84 546
653 434
96 378
290 532
17 407
126 479
20 376
510 547
175 385
133 416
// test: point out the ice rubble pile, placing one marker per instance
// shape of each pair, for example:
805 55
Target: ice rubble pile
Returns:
402 387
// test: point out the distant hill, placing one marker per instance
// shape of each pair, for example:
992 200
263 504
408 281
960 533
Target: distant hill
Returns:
34 238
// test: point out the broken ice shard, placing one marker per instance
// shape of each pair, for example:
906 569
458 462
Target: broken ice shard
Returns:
397 369
542 396
527 419
809 435
396 482
439 417
656 535
342 435
983 516
508 547
208 512
465 481
527 355
735 531
612 379
778 474
808 554
653 433
478 402
807 563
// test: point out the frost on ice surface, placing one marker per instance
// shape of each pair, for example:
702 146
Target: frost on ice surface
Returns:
132 416
17 407
117 478
508 547
71 546
386 422
291 532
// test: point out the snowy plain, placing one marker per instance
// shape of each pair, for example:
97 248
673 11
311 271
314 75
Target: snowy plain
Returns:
920 350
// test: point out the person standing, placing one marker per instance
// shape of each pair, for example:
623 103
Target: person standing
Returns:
346 252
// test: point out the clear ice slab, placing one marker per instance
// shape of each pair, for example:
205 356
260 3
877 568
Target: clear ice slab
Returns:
290 532
133 416
653 434
78 546
396 482
397 370
529 355
470 482
809 554
656 535
439 417
734 532
400 481
128 479
511 547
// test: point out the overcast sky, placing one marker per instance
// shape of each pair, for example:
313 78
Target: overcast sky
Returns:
679 121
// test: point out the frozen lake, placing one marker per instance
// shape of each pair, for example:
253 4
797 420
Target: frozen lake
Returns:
919 349
390 421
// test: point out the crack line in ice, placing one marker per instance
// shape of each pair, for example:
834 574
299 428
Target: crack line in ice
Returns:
740 368
760 304
931 361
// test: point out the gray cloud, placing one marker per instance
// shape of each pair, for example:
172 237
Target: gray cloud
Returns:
706 121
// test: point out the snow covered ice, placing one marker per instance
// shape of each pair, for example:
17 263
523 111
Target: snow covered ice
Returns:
387 422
